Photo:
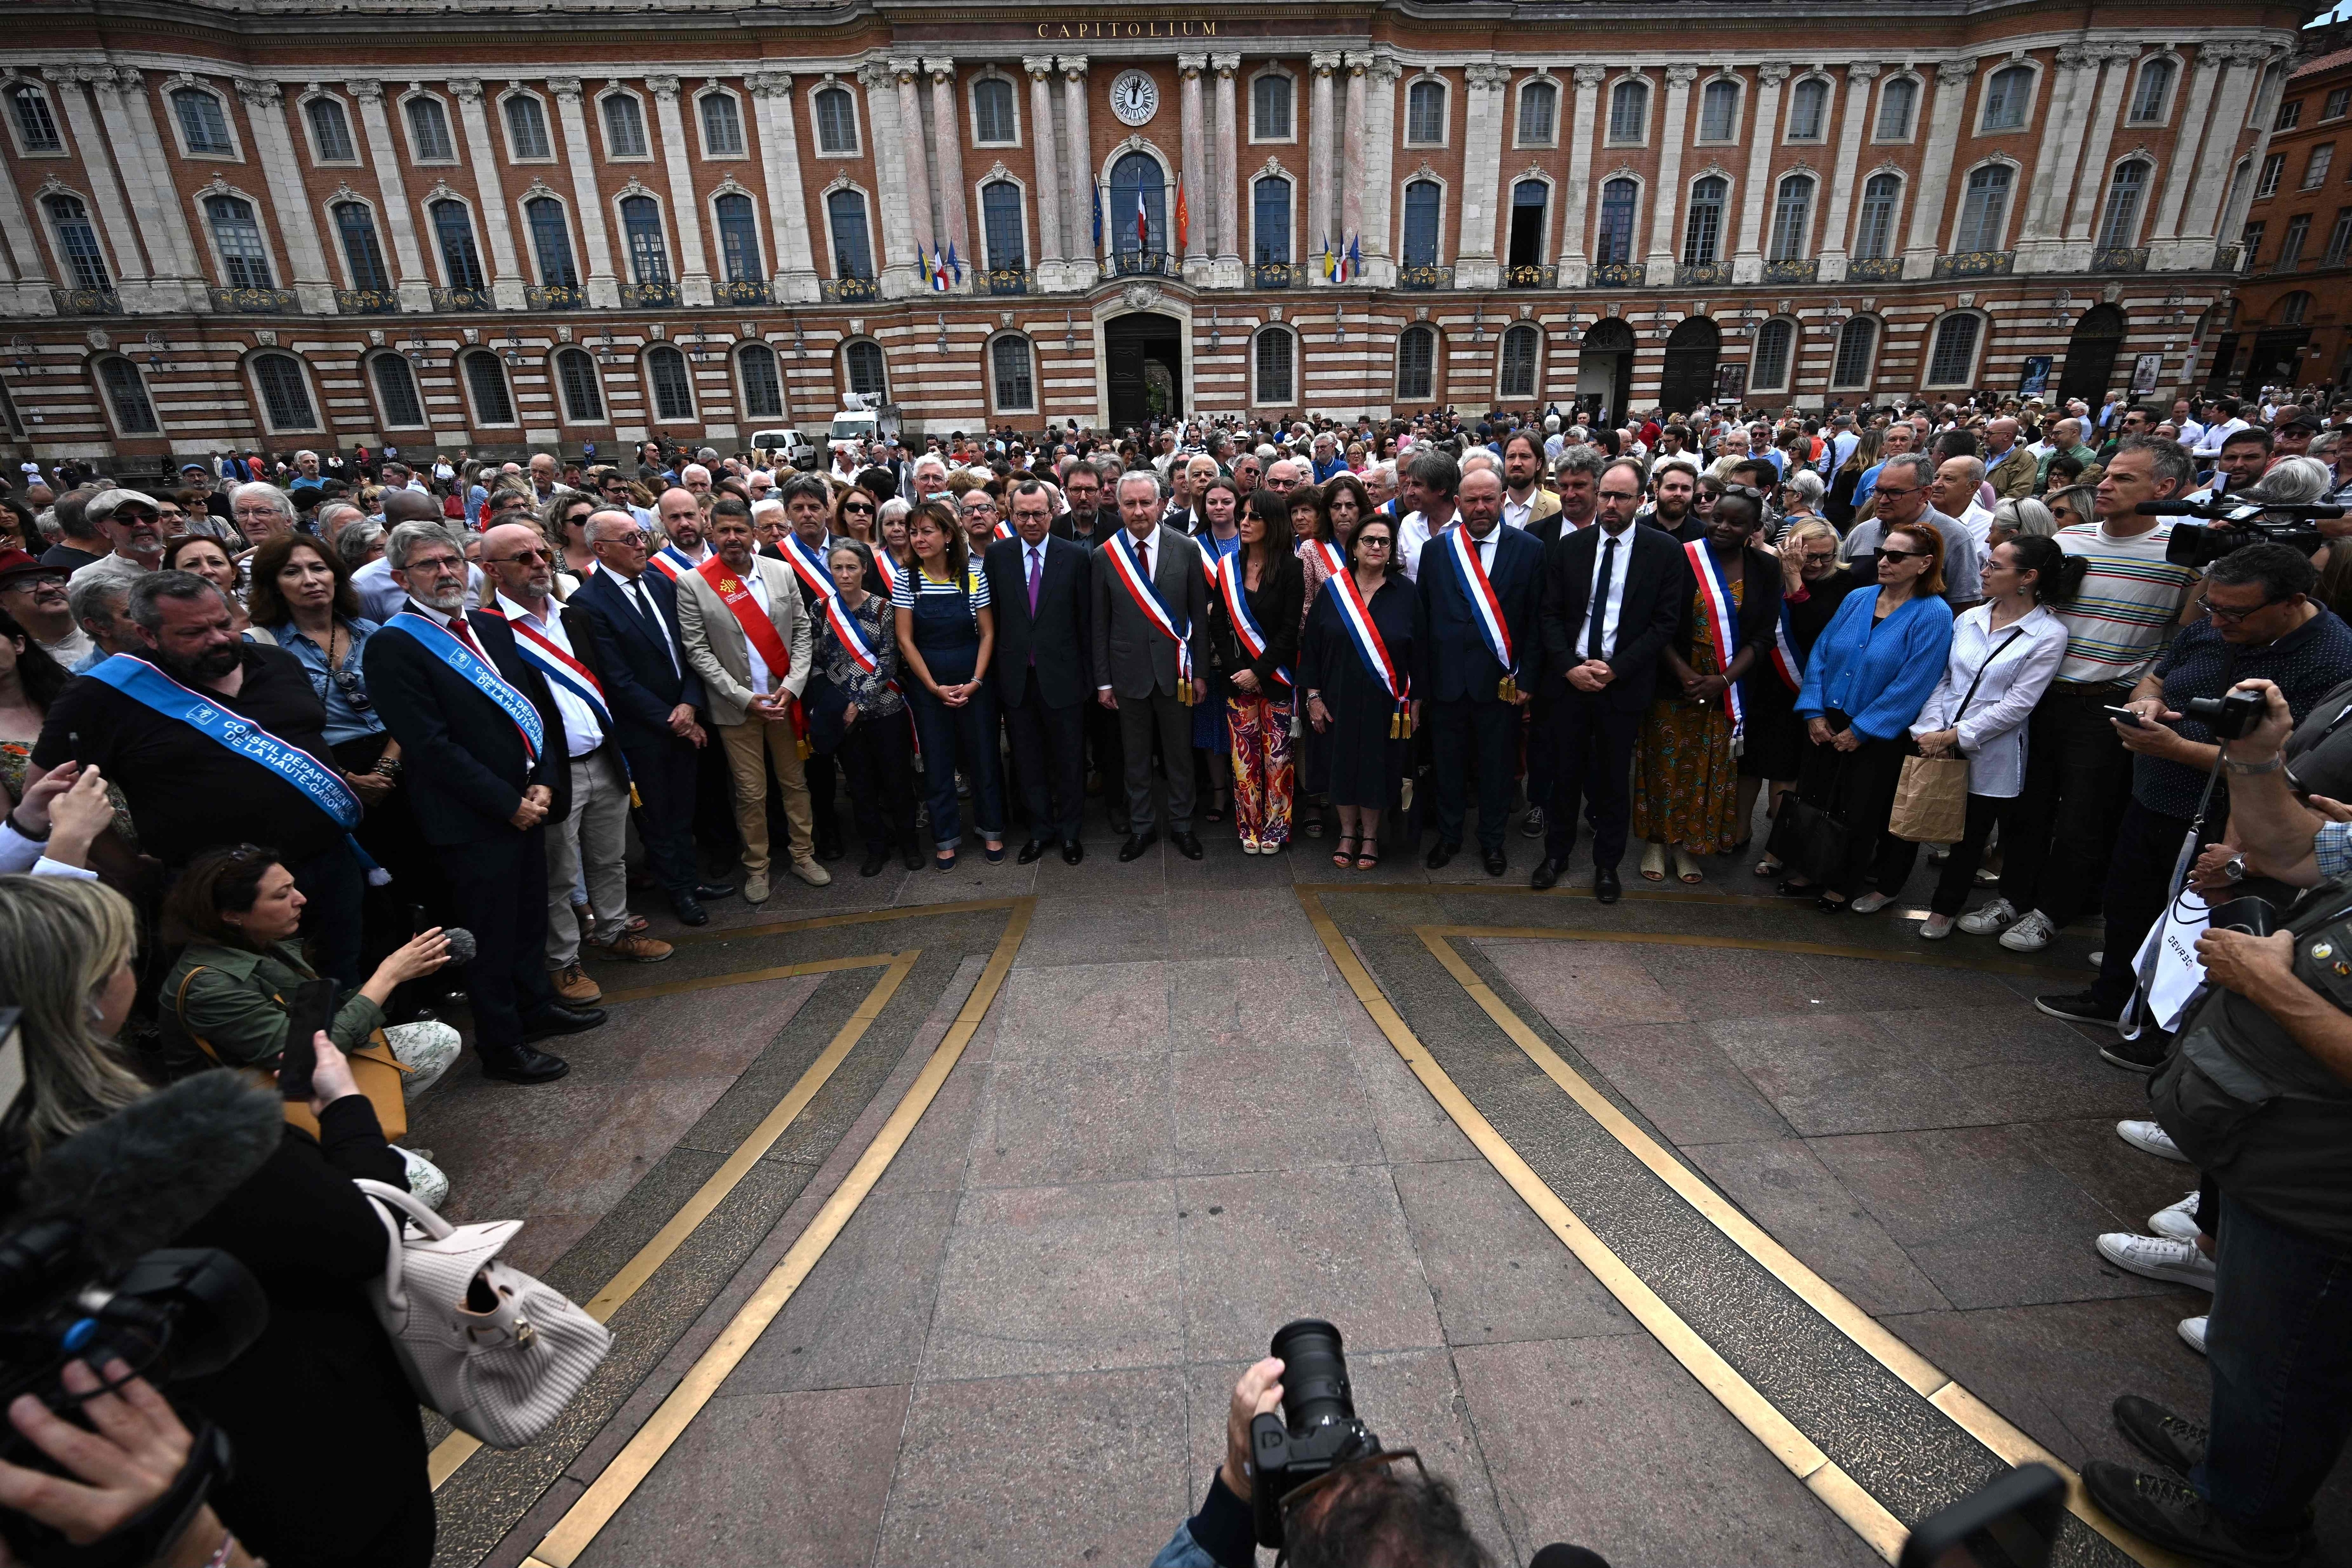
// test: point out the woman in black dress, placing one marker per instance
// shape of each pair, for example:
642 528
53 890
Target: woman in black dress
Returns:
1365 738
1813 586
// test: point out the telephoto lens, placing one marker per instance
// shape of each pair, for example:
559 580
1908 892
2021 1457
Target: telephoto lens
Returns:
1314 1391
1317 1430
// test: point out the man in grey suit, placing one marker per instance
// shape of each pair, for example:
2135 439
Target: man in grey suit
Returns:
1135 662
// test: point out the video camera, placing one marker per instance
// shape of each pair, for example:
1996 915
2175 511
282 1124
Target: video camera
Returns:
2232 525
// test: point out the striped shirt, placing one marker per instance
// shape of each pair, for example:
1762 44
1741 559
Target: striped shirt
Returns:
2129 602
921 581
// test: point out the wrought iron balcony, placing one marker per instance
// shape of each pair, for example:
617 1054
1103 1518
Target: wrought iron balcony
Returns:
1702 274
1620 274
849 290
1277 275
1873 269
2119 258
1007 280
1531 276
86 301
556 297
1976 264
1142 264
743 291
366 302
461 300
1424 278
650 296
1791 271
2230 257
255 301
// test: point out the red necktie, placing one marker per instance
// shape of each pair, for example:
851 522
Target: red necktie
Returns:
465 633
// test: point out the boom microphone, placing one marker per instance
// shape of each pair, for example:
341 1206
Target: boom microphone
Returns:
462 947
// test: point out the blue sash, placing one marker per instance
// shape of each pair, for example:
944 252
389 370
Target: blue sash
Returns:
478 674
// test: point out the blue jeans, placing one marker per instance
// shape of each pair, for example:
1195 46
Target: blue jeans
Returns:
970 729
2280 1343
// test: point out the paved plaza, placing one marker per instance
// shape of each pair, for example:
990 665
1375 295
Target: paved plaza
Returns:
935 1216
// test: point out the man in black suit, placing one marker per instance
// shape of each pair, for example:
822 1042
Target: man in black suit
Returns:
1043 590
1613 595
482 799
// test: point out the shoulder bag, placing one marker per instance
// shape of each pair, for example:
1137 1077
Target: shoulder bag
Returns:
375 1070
1931 798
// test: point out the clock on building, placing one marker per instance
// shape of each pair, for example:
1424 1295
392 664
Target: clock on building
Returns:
1134 96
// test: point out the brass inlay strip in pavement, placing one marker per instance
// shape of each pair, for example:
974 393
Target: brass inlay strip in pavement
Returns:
1759 945
744 977
1639 894
830 922
454 1451
562 1545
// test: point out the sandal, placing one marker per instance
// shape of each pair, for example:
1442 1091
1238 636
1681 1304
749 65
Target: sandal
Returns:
1687 870
1767 866
1314 828
1654 863
1217 809
1342 857
1367 857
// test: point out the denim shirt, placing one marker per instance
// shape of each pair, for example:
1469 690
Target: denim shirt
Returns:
344 722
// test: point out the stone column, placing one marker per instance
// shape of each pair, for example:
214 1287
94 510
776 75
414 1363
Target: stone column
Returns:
1747 247
1352 163
506 277
2042 205
131 284
685 209
603 285
1859 74
28 281
1196 250
1047 181
2195 125
2263 107
947 141
1474 266
2200 224
1226 271
779 158
1079 172
306 260
899 204
1380 75
410 278
1672 128
1576 200
1321 135
2091 185
1936 175
122 104
919 204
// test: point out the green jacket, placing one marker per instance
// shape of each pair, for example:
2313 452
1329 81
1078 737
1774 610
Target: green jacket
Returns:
233 997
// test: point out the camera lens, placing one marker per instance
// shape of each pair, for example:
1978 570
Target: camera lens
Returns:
1315 1390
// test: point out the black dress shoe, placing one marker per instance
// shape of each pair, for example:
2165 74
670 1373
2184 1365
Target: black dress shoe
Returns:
1137 843
708 890
520 1064
874 862
1496 864
1439 853
689 911
558 1021
1547 874
831 849
1605 886
910 856
1186 844
1073 852
1031 853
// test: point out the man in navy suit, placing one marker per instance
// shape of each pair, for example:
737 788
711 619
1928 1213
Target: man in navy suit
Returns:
482 800
1042 589
1474 702
655 696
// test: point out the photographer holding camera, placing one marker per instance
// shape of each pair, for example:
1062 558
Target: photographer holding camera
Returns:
2258 1094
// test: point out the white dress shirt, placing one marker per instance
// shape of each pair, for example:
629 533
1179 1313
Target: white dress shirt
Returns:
583 731
1612 608
641 600
1415 533
1992 731
757 581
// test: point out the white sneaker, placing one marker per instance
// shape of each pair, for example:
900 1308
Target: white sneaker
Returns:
1935 927
2159 1257
2150 1139
2030 935
1989 920
2177 1221
428 1181
2192 1331
426 1047
811 872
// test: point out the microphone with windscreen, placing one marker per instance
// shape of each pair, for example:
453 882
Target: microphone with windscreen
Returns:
462 945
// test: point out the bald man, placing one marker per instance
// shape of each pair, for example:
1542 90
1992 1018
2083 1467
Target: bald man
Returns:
681 517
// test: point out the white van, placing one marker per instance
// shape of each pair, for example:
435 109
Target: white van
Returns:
786 446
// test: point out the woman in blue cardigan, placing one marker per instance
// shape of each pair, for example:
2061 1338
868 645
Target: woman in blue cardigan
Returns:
1870 672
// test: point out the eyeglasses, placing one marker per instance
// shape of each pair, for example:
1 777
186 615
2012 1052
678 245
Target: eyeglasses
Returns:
2237 617
1905 554
1883 494
1374 541
1329 1478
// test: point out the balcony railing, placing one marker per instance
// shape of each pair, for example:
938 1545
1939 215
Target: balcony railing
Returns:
557 296
1424 278
255 301
1277 275
461 300
366 302
650 296
2119 258
1873 269
1793 271
1006 281
1620 274
849 290
1142 264
1702 274
1531 276
743 291
2230 257
86 301
1976 264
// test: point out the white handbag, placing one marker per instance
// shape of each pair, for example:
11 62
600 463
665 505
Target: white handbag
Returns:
497 1351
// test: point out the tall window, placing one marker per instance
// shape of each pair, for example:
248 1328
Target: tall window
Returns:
2289 115
1016 387
673 388
363 252
1422 201
1719 111
487 380
867 377
1000 223
2249 241
1809 110
836 123
1857 339
330 133
1792 217
722 125
1955 352
2314 170
527 127
1897 101
2298 231
1424 114
852 257
1538 113
2005 96
285 395
1629 109
395 390
1270 221
1618 198
1771 371
2294 309
1416 364
992 122
77 241
583 400
202 124
624 127
2339 238
1873 232
1703 231
2148 99
1984 210
126 394
2125 192
428 130
1518 377
2338 104
2273 167
244 260
738 236
1270 108
648 250
1137 183
550 241
1274 362
37 128
453 231
763 390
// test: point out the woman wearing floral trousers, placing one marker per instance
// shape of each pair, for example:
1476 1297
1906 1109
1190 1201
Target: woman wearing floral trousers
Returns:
1254 616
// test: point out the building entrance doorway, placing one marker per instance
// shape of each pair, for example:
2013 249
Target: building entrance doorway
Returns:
1605 371
1143 367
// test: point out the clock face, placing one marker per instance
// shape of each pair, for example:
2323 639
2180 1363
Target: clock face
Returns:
1134 96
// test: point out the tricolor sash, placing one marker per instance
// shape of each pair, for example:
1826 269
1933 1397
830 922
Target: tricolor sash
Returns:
1246 626
887 569
479 673
1003 529
1791 668
1723 619
1372 649
760 633
1486 610
324 786
671 562
1126 564
1334 560
817 578
561 669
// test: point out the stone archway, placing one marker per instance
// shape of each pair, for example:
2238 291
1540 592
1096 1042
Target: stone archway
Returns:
1143 367
1688 379
2091 356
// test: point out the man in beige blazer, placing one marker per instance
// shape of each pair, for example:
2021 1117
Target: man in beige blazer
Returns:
750 704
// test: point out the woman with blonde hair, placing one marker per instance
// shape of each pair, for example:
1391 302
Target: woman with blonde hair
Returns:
1838 505
66 950
2023 517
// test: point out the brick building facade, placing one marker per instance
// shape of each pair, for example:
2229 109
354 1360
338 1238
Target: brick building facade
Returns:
2290 321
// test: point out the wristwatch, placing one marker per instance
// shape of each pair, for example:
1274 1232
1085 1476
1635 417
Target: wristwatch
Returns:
2276 760
2234 868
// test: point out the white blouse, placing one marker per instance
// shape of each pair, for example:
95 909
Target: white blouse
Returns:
1993 732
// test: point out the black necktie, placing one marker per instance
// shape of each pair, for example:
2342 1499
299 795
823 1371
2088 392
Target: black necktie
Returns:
653 618
1598 612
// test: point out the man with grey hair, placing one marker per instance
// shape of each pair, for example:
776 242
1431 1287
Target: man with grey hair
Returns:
380 595
333 516
1282 476
260 511
1140 672
132 524
79 542
99 609
1906 497
930 476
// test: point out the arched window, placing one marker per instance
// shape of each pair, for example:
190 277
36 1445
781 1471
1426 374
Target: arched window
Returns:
836 123
1424 114
992 122
1703 230
487 380
584 397
738 236
1270 221
1017 386
1857 344
1719 111
852 257
1416 358
1618 200
1629 109
330 133
77 241
2294 309
453 231
1897 103
204 125
2148 99
1000 223
1955 353
551 241
527 127
1769 370
1809 109
1422 200
624 127
244 260
763 388
285 394
1519 349
1873 232
673 387
1984 210
867 375
1137 177
1270 108
2005 97
2125 193
722 125
363 252
1276 360
37 128
641 223
1792 218
395 390
428 130
126 394
1539 114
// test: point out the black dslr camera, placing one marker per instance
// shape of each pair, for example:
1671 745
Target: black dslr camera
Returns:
2201 544
2228 715
1317 1430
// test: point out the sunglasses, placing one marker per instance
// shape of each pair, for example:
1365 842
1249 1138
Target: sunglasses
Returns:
1905 554
848 508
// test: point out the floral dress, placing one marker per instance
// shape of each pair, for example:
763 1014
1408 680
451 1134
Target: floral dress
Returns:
1685 776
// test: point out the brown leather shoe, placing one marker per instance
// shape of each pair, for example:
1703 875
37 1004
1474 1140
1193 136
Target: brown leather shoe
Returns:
574 987
633 948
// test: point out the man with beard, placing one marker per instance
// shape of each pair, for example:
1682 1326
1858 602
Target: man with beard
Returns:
35 595
486 769
134 527
1674 486
1085 522
681 522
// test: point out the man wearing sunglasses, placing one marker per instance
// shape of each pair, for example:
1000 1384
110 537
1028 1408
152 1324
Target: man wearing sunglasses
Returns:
133 527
